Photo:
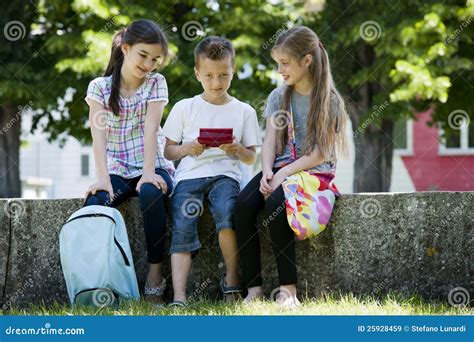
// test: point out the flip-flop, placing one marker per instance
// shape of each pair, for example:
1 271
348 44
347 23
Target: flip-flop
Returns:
177 304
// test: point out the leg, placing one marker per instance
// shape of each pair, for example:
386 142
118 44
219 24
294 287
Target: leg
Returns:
187 205
283 244
180 267
154 222
228 246
249 202
223 192
123 189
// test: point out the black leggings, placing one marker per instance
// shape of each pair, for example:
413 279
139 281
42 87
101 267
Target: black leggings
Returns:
151 205
249 203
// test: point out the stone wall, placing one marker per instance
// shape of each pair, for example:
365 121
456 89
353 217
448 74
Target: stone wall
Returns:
412 243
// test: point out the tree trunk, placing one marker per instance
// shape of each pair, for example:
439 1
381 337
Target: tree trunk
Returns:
10 129
373 159
373 136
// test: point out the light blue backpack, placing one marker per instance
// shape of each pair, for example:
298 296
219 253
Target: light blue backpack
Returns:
96 258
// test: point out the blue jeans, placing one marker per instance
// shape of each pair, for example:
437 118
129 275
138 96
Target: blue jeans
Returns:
151 205
187 205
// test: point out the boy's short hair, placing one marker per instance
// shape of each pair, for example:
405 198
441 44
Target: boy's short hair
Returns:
215 48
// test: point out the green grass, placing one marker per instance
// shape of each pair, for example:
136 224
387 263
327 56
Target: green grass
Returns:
334 304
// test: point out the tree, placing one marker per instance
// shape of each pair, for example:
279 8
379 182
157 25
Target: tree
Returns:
393 60
18 79
379 52
67 44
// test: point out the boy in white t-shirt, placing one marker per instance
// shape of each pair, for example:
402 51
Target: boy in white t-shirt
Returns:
205 172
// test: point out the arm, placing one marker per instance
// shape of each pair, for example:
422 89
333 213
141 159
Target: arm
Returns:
152 125
303 163
268 157
174 151
99 145
269 146
246 155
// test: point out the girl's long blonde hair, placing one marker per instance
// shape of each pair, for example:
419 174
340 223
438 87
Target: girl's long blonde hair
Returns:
326 119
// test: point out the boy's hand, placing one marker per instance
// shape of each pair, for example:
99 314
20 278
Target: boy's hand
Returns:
194 148
231 149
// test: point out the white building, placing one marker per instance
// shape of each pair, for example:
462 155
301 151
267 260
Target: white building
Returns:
49 171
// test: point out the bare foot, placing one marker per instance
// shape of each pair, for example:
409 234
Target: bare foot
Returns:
254 294
286 297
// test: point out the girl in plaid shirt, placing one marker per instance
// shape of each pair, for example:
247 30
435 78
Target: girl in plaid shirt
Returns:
125 110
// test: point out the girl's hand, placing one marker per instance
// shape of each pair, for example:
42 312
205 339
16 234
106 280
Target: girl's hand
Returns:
154 179
275 182
231 149
101 184
265 188
194 148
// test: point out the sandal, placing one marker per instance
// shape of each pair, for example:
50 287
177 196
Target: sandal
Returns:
154 294
177 304
229 290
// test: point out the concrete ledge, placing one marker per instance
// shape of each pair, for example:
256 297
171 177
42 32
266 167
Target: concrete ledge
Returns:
4 243
413 243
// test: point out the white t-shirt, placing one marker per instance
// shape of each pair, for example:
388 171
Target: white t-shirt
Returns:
189 115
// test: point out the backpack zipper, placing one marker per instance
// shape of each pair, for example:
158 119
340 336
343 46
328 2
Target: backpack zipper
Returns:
125 259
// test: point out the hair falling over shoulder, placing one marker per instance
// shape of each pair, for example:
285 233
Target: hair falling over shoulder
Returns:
327 116
139 31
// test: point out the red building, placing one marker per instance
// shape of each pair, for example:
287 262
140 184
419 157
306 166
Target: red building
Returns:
435 164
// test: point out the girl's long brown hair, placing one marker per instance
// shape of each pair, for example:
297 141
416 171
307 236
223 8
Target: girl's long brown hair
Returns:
326 119
139 31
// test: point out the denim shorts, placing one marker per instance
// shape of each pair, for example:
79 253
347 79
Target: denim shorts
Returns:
187 203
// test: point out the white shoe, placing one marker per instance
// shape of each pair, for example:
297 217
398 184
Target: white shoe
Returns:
288 302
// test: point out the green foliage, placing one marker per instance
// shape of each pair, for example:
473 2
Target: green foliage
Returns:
72 40
419 55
